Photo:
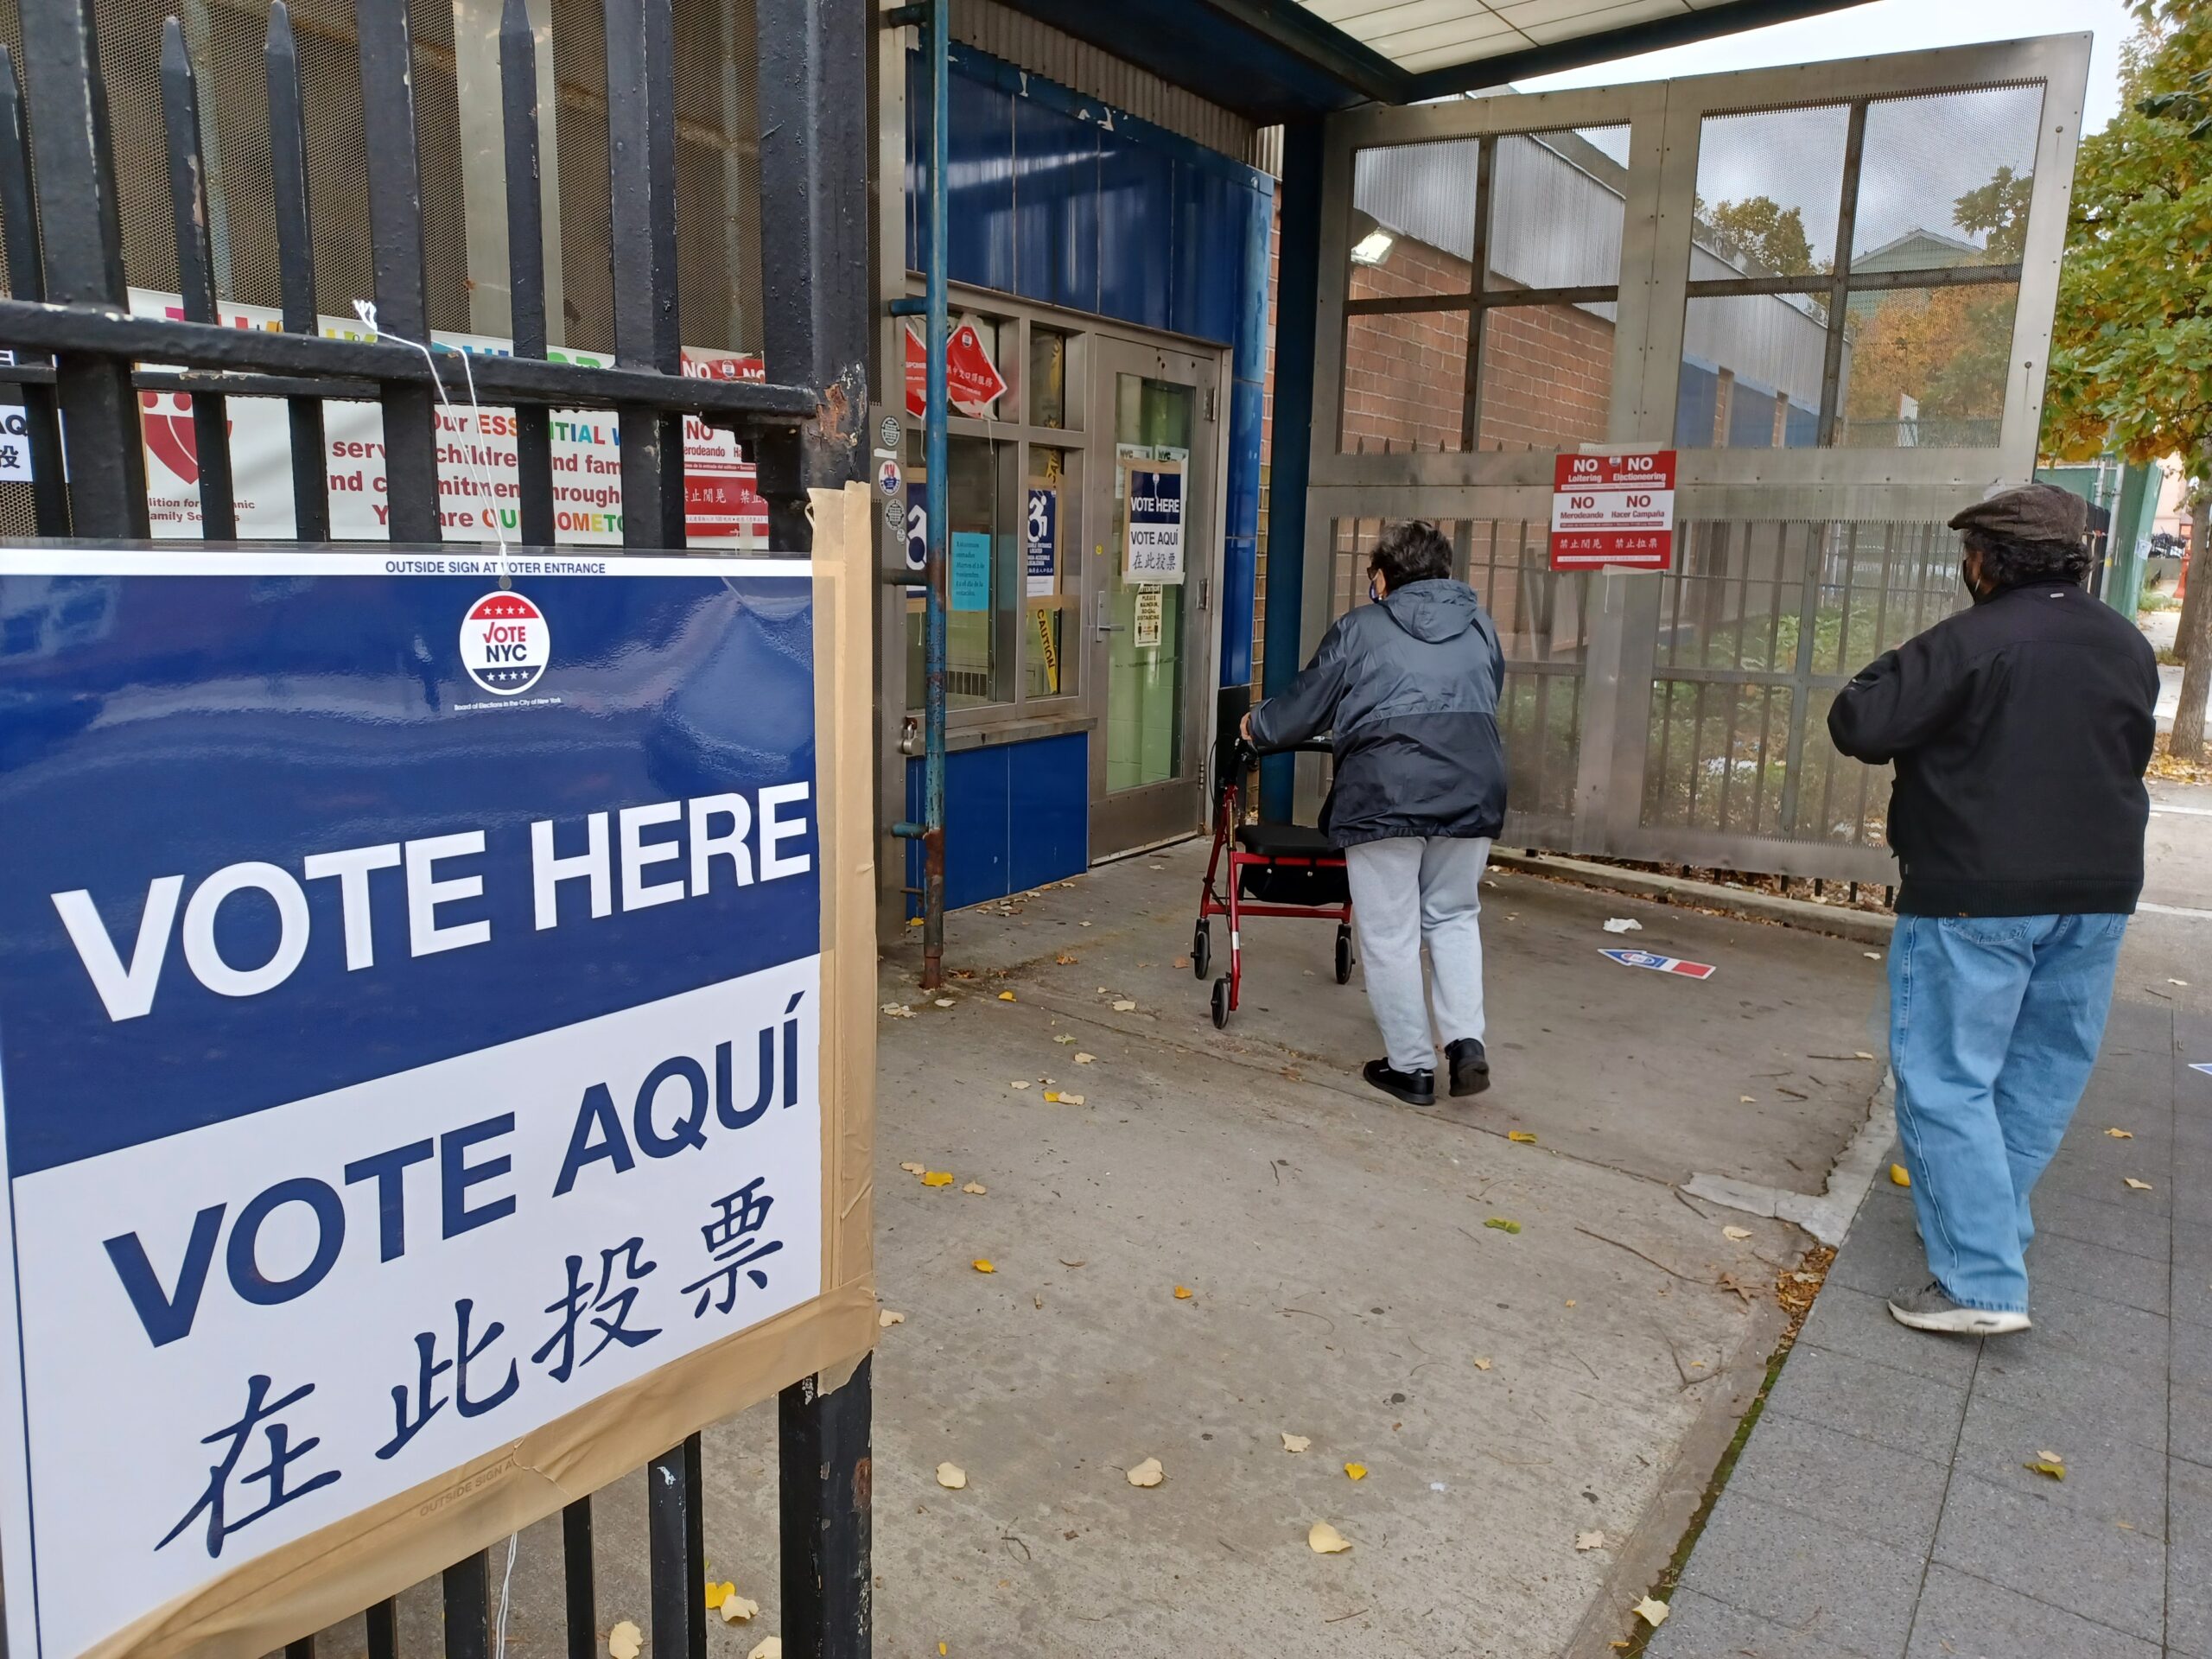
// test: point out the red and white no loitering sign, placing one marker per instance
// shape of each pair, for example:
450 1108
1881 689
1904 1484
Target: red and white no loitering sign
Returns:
1613 510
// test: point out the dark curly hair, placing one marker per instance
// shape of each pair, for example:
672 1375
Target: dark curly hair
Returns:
2009 563
1414 550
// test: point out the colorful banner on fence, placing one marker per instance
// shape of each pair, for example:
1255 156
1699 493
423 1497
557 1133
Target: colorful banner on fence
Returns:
476 455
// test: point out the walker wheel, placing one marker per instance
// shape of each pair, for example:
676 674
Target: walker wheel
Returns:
1201 950
1343 954
1221 1002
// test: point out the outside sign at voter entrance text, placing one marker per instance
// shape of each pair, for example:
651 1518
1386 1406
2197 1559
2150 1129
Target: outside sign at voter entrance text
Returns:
406 1037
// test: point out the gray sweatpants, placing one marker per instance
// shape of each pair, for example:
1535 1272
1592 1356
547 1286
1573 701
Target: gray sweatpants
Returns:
1406 893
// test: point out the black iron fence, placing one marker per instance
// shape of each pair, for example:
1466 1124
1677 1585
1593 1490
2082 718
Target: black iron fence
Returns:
79 359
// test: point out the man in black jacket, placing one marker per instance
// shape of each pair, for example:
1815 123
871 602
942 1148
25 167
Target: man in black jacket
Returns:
1409 686
2020 728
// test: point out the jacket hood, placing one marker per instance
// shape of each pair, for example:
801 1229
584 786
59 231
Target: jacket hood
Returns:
1433 611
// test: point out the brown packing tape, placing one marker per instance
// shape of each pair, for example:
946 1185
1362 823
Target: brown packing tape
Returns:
316 1581
331 1574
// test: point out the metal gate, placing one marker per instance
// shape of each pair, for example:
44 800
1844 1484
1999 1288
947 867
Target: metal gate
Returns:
77 357
1829 287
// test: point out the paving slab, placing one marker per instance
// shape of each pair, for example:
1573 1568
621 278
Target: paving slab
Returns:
1874 1436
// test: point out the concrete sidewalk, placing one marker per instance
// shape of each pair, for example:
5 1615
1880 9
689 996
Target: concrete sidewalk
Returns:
1881 1507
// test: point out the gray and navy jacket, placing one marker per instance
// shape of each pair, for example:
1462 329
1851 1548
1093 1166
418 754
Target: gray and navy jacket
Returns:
1409 688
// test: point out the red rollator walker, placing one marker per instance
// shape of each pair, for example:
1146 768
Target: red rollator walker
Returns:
1273 869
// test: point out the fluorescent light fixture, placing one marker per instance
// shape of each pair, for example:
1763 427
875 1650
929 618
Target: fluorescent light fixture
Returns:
1373 248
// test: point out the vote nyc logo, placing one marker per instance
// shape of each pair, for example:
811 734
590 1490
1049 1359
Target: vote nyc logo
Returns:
504 643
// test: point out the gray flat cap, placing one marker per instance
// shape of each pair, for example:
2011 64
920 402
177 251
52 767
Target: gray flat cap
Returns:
2029 512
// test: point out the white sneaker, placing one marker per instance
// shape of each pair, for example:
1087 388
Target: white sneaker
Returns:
1930 1309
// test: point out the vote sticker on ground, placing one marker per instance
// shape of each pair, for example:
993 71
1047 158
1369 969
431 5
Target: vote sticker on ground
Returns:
1613 510
504 643
2205 1066
1659 964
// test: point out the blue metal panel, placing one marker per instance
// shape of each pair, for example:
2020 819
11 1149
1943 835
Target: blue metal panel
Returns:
1016 815
1207 254
1048 810
1136 229
1800 427
981 245
1247 402
1298 283
1056 206
1751 417
1697 400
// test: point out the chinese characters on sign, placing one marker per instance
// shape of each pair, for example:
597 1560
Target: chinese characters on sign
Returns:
972 381
347 1145
1613 510
1153 540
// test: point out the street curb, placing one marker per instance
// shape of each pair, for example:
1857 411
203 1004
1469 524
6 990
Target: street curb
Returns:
1829 1217
1867 927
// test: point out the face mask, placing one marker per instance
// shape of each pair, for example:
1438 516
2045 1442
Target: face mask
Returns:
1373 597
1966 581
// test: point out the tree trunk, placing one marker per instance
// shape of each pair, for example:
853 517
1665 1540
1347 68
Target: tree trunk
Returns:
2200 593
2194 642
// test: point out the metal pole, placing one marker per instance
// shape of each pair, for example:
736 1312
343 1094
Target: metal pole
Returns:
935 495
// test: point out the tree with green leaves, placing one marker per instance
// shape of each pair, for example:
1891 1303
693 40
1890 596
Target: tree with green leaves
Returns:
1759 234
2131 357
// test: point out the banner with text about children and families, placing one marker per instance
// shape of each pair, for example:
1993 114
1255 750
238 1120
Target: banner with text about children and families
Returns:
476 454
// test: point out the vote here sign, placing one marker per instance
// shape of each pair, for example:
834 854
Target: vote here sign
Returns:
411 1029
1613 510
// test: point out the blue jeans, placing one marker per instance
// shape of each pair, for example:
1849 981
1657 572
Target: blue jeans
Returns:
1995 1023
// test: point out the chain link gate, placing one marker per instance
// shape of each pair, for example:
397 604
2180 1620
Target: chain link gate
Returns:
1828 286
76 355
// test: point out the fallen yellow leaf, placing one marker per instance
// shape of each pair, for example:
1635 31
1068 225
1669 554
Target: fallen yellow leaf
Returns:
1124 1006
1570 1301
625 1640
1355 1470
718 1594
1747 1100
1296 1442
1861 1054
1502 1224
2140 1186
937 1178
1064 960
976 1187
770 1647
1482 1364
885 1319
1898 1176
1082 1058
1520 1135
1589 1540
1019 1083
913 921
913 1169
1182 1292
738 1609
982 1265
951 1477
2121 1134
1061 1097
1739 1233
1064 1036
945 1001
1147 1473
2047 1466
1005 996
1066 1263
1324 1539
1652 1611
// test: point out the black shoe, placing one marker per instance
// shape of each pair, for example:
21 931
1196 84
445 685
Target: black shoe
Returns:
1470 1066
1415 1088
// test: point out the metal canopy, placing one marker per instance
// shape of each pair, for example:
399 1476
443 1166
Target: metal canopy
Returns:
1280 60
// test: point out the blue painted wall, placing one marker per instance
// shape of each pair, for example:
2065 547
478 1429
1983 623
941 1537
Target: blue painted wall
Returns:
1057 198
1016 816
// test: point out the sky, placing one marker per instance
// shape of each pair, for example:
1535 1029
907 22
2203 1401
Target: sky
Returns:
1882 26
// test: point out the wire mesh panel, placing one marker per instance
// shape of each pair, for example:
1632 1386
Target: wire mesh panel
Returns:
1543 632
1760 626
